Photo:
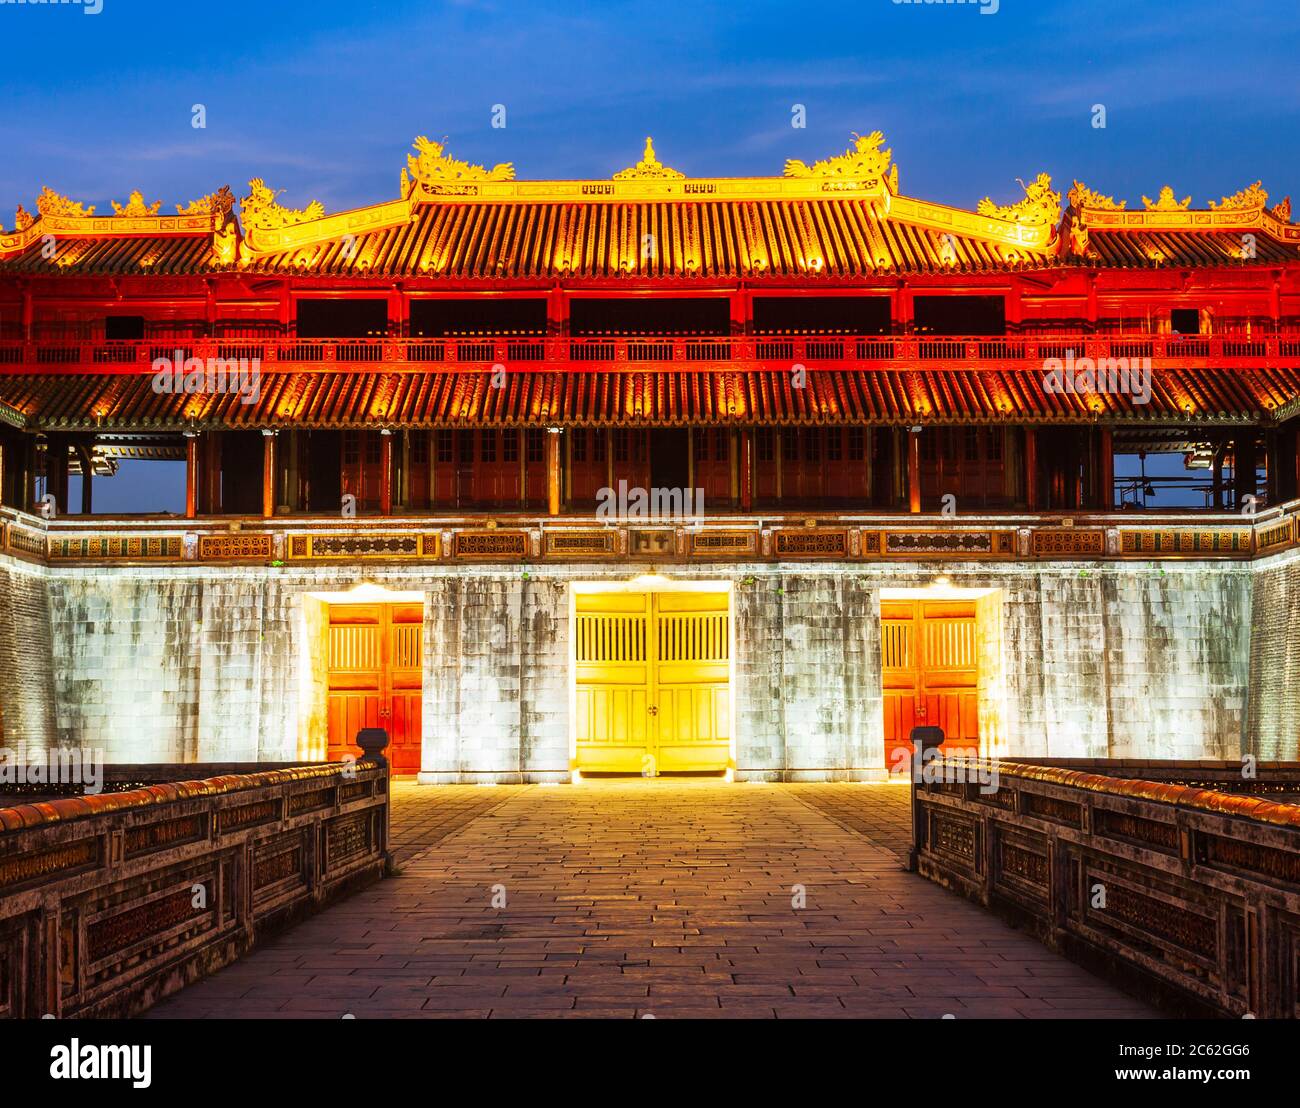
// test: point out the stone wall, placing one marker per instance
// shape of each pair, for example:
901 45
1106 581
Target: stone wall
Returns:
166 664
27 720
1274 731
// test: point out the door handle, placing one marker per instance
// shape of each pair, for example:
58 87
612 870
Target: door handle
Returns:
653 709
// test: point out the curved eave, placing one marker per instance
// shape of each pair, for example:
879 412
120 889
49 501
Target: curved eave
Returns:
647 399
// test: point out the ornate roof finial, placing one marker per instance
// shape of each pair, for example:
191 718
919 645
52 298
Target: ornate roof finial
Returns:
136 206
215 203
1042 204
51 203
434 166
262 213
1166 202
648 166
1248 199
863 161
1081 196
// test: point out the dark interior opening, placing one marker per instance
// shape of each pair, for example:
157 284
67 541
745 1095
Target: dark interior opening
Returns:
478 316
324 462
695 316
670 458
959 315
1185 321
822 315
342 319
124 327
241 473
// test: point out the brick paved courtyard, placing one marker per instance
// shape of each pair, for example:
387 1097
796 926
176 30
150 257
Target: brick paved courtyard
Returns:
634 898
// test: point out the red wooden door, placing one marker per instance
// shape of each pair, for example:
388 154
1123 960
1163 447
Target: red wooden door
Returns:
376 679
362 465
929 669
713 465
497 472
588 450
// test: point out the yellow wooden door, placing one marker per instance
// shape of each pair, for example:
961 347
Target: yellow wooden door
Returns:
691 708
652 673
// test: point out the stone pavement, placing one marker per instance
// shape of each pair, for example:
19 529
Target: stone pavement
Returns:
663 898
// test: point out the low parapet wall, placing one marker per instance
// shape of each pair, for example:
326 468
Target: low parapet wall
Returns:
1185 894
110 902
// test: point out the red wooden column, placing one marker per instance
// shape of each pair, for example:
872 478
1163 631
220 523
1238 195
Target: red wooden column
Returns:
747 469
1031 469
268 473
1105 470
914 471
85 450
385 472
212 473
553 471
191 474
56 471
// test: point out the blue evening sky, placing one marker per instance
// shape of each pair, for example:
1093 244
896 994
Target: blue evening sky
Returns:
323 98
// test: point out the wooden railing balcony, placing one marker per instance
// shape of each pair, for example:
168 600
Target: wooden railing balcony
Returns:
1180 879
501 538
110 901
651 352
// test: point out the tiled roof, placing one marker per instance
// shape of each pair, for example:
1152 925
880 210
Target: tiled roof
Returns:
784 238
116 255
834 238
1150 249
636 398
806 239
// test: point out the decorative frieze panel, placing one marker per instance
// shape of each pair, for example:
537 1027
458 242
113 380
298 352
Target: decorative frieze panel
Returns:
128 548
810 542
1130 828
154 921
390 546
1142 913
1256 859
1224 541
573 543
236 547
311 801
648 543
52 863
492 545
347 839
24 542
1052 808
945 544
1022 866
354 791
247 815
1275 536
953 834
279 866
165 834
1068 542
724 544
825 538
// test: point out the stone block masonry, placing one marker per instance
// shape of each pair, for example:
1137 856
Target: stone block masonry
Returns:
1274 714
27 715
223 663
